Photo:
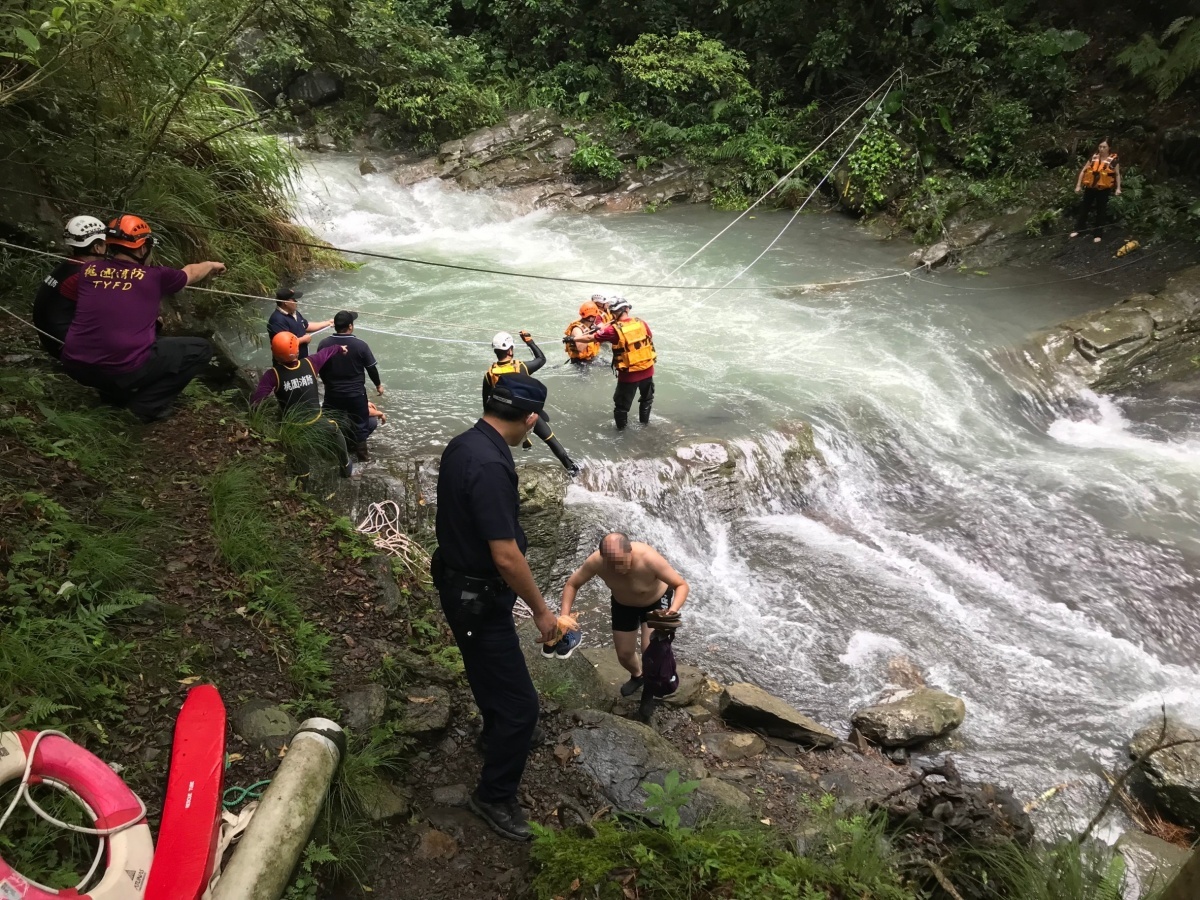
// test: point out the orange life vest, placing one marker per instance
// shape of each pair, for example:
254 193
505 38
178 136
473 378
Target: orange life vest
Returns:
589 351
634 349
1101 174
508 367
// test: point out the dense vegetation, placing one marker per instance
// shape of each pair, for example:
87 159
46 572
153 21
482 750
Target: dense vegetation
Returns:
136 103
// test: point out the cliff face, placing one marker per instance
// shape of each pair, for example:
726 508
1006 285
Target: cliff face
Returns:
1143 339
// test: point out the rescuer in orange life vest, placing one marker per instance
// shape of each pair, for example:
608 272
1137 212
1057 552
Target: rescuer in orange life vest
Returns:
633 359
590 319
506 364
1098 180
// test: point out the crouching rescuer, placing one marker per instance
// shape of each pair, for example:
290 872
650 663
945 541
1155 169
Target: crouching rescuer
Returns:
294 382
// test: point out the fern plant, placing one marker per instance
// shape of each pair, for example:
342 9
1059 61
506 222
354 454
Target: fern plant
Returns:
1166 69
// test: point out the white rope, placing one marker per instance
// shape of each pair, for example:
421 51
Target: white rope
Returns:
887 82
101 833
800 208
382 522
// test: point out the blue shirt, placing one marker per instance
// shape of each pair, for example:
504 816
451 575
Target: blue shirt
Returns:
280 322
477 500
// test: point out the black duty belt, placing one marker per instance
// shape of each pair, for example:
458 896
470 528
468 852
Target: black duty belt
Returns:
445 576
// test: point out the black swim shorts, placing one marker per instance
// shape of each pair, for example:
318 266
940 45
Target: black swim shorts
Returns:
628 618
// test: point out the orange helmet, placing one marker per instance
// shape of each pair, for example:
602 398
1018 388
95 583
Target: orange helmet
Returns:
588 308
129 231
285 345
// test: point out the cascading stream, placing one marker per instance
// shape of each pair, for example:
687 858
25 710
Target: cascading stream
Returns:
1039 561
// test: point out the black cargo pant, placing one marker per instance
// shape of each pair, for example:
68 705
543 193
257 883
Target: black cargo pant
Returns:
352 413
623 401
542 430
1093 198
149 390
503 690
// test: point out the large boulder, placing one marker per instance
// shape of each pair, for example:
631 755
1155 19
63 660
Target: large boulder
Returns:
1144 339
749 706
543 492
1173 774
572 683
1150 861
910 717
622 757
315 89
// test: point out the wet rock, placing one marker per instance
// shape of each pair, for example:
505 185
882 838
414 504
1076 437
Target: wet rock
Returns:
1172 775
543 491
751 707
949 810
1151 862
1142 340
383 800
264 724
732 746
573 683
367 167
968 234
905 673
364 707
933 256
426 711
315 89
909 718
621 757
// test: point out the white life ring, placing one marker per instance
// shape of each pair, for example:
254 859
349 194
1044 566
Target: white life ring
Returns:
51 758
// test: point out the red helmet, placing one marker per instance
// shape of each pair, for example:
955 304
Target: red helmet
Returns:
285 346
129 231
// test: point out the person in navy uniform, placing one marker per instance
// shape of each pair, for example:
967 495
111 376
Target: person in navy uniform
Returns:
288 319
345 395
479 570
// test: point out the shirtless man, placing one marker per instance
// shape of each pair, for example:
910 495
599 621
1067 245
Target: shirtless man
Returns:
641 581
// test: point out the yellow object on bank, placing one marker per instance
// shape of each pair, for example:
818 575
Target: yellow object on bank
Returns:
1127 247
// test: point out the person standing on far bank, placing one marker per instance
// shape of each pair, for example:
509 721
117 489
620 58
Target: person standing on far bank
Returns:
345 395
1099 179
288 318
479 570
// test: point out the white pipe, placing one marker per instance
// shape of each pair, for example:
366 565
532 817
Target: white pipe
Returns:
263 862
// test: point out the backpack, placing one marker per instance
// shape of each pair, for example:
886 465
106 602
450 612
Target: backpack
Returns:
658 665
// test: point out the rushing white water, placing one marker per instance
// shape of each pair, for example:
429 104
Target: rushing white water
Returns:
1039 562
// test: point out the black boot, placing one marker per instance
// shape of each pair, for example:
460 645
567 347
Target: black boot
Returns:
560 453
507 819
644 413
360 450
621 417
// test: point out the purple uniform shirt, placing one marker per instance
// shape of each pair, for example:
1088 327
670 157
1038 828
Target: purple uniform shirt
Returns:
118 304
268 382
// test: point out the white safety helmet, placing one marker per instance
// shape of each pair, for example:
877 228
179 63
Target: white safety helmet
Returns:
502 341
83 231
598 298
618 305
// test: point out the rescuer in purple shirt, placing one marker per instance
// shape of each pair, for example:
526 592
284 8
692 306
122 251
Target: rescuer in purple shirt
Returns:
112 344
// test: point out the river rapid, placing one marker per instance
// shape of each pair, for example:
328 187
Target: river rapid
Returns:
1038 560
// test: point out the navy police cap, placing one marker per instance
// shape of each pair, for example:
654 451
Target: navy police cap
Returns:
520 391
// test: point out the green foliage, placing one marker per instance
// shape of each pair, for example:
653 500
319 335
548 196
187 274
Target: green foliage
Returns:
1165 69
1067 870
663 802
685 67
594 159
247 538
849 858
877 164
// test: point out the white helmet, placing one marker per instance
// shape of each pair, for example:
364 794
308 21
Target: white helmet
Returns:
618 304
83 231
502 341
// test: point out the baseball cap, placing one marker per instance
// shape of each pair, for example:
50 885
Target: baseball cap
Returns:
343 319
522 392
283 295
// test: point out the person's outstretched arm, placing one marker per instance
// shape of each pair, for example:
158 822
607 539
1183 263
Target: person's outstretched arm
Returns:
539 358
201 270
580 577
